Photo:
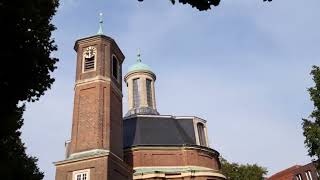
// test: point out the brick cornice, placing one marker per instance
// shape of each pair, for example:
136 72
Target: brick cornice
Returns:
92 154
168 148
99 79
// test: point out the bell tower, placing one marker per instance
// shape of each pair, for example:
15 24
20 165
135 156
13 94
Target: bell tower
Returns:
95 151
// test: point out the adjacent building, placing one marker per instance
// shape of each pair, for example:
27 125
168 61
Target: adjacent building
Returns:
297 172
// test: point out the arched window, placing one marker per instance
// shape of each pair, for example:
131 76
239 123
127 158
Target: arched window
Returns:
115 67
136 95
149 92
202 137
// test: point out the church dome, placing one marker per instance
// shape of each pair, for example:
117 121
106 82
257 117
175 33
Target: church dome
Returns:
139 66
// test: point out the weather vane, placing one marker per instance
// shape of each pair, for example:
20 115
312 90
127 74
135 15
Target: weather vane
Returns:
139 55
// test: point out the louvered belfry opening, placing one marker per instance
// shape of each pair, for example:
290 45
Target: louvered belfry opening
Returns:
89 63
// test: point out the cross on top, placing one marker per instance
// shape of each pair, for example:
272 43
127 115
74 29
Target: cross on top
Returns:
139 55
100 31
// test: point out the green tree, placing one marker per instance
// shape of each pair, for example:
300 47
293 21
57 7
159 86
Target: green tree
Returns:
26 63
201 5
235 171
311 127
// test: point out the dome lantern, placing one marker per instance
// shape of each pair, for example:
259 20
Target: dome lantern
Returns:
140 87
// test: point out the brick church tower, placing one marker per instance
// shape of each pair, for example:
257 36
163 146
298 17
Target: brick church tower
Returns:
95 151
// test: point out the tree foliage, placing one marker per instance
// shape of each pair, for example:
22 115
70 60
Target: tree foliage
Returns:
26 63
201 5
235 171
15 164
311 127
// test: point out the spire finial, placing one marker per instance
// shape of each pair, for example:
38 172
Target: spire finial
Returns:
139 56
100 32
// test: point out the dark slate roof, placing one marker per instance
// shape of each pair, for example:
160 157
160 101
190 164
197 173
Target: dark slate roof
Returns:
157 130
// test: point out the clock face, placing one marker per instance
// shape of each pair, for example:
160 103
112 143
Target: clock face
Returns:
90 52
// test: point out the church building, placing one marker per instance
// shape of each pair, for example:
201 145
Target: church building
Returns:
142 145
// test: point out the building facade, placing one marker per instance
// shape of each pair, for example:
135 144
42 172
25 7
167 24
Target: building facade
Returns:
163 146
143 144
297 172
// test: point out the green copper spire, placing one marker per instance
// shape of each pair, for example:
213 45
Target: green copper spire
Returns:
100 32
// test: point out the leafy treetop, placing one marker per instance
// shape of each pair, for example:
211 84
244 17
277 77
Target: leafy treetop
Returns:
201 5
26 66
311 127
235 171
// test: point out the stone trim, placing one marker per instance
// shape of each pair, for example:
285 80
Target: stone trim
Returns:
168 148
88 153
99 79
145 115
175 172
189 174
136 73
94 79
85 155
66 162
165 116
166 167
153 95
191 117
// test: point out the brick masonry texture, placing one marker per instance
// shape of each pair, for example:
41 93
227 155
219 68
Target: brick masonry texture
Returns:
303 169
97 115
101 168
166 157
290 173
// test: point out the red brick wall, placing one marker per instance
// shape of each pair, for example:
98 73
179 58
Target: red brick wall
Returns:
97 168
178 157
97 115
286 174
91 118
101 168
116 126
290 173
308 167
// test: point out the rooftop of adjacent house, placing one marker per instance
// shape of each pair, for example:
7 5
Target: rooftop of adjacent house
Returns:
286 172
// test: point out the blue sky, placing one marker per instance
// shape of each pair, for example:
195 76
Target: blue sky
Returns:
244 67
